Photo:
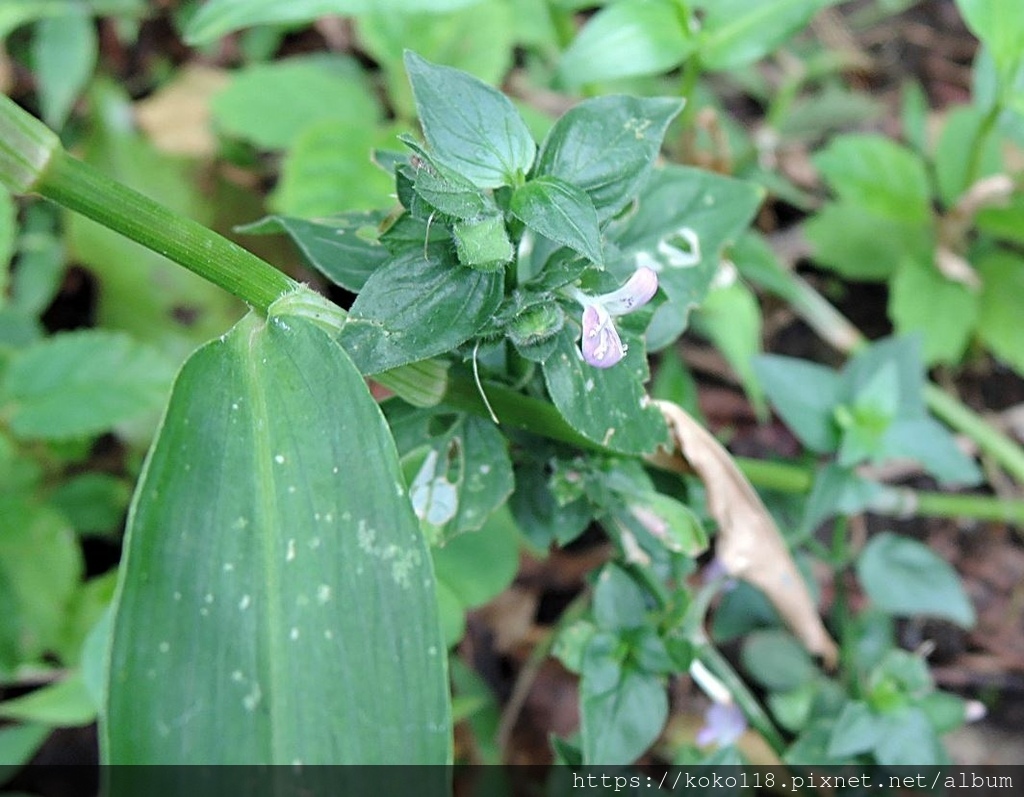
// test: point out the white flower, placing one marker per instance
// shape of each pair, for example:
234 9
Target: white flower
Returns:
601 345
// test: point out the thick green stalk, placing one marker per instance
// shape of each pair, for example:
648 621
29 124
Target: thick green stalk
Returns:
32 161
80 187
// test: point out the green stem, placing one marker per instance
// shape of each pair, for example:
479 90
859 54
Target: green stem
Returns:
80 187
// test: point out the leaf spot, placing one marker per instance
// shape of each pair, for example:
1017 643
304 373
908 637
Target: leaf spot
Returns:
294 634
290 554
245 602
323 594
279 459
165 646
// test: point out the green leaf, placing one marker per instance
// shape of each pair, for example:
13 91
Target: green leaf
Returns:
311 570
607 146
904 354
81 383
999 25
414 307
458 467
861 244
619 602
837 491
94 503
66 702
777 661
731 318
472 128
477 40
672 525
856 731
945 711
737 32
328 170
8 234
64 52
792 709
627 39
272 104
1007 222
40 568
1001 306
903 577
878 174
219 17
955 153
562 212
930 443
805 395
606 405
478 567
448 192
869 415
541 517
345 248
906 738
40 270
619 724
684 218
923 300
18 744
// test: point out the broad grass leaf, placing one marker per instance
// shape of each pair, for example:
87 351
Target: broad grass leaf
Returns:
277 601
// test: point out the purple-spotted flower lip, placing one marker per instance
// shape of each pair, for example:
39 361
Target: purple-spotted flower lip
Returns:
601 345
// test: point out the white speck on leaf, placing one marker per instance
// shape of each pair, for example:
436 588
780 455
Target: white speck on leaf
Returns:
290 554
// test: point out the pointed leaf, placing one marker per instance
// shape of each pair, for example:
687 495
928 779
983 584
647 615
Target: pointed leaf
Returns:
684 218
606 405
82 383
414 307
805 395
343 248
562 212
903 577
607 146
276 579
471 127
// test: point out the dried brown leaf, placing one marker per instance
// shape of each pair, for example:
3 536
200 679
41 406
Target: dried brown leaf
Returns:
749 545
